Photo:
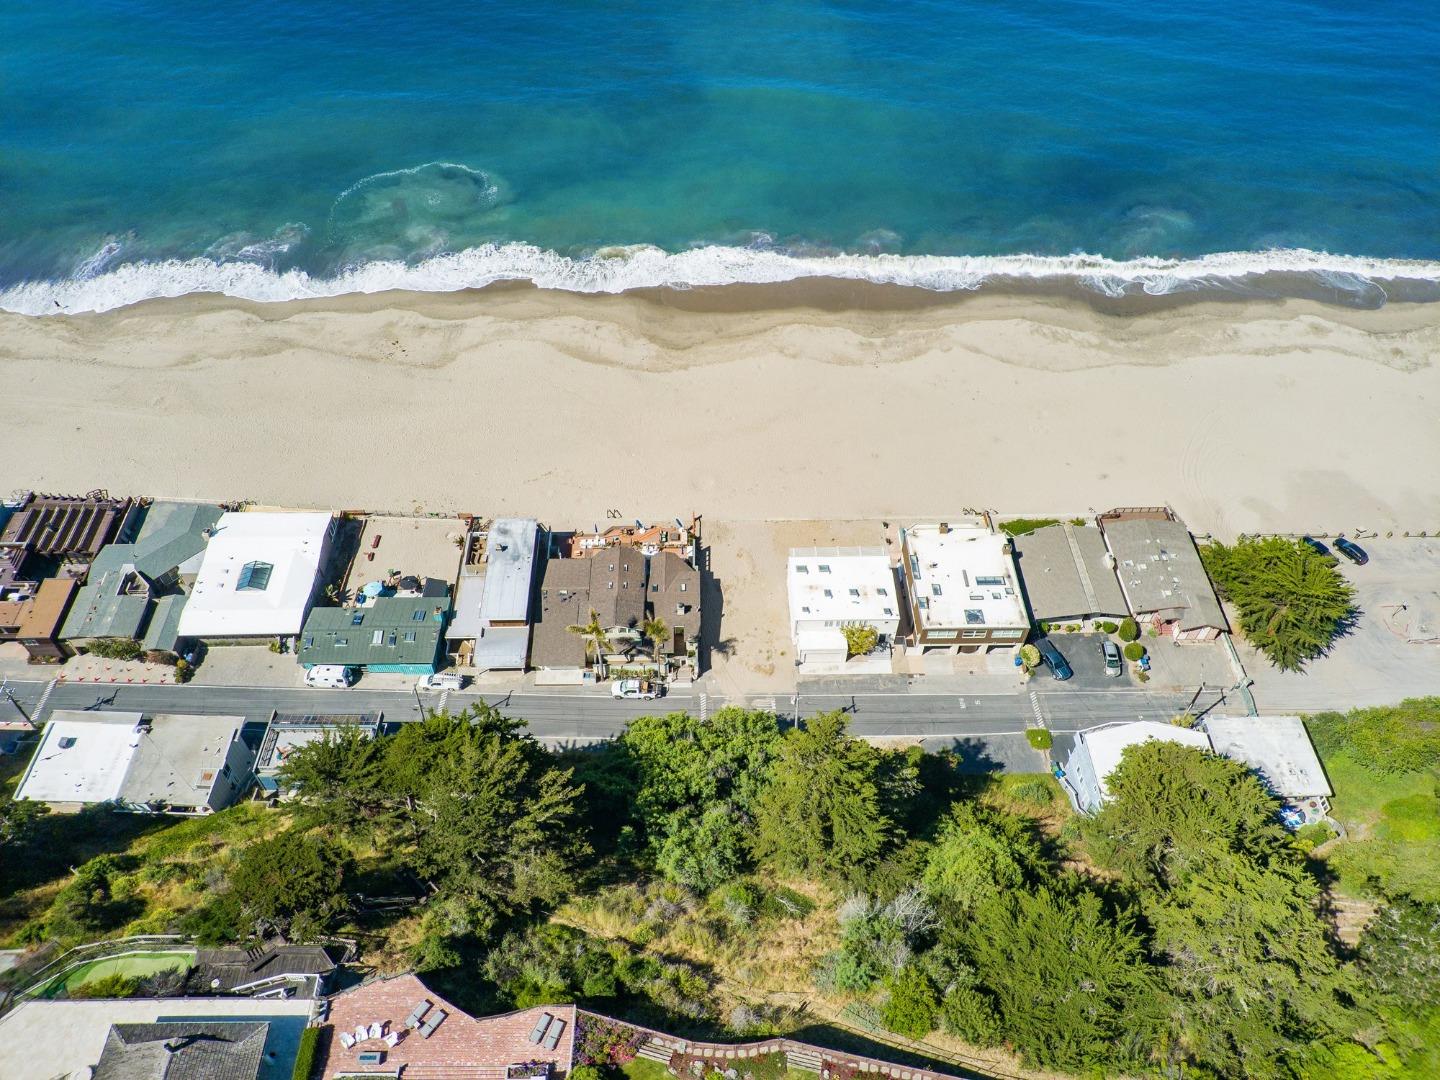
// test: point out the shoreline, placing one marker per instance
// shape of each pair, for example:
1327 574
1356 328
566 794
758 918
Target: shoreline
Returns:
794 401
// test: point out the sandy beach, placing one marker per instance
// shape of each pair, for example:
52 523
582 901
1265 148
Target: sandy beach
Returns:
818 400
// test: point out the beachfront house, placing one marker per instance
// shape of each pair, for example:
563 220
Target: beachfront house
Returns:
833 588
160 764
1164 582
401 634
649 540
606 590
34 617
258 577
962 588
673 597
1277 748
1069 575
494 603
57 534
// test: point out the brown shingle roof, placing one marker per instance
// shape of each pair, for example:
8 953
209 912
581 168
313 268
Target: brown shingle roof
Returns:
612 583
675 585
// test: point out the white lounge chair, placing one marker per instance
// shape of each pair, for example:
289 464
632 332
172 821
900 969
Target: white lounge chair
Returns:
360 1033
347 1040
375 1031
392 1039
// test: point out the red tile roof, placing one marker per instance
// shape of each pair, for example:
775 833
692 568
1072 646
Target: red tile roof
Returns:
461 1048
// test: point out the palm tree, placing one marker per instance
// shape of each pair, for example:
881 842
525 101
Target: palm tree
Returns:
655 629
597 641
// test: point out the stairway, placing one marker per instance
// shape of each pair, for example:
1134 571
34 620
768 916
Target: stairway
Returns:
806 1059
655 1051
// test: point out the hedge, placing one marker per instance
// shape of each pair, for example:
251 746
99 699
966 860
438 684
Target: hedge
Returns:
1040 738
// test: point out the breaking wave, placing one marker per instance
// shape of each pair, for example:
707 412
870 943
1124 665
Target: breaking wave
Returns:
1281 272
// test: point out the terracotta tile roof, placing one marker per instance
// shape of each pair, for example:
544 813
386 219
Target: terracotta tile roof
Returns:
461 1048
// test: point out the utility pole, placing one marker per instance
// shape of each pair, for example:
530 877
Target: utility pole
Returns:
9 693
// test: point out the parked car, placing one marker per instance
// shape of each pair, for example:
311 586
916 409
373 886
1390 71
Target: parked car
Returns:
332 676
636 688
1316 546
441 680
1114 667
1352 551
1052 659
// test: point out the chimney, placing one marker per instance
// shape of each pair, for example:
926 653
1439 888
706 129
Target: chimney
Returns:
944 528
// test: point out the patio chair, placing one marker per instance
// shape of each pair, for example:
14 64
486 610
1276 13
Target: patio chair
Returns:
347 1040
538 1032
392 1039
418 1013
436 1019
557 1029
375 1031
360 1033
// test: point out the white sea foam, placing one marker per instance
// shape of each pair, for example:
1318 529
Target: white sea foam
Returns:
618 269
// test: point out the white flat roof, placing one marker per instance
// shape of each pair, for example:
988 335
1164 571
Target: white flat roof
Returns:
1107 744
95 757
821 641
43 1040
81 759
1276 747
963 577
293 546
843 584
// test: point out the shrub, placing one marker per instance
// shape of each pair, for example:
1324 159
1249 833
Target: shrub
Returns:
1029 657
1040 738
117 648
913 1004
1109 627
1070 628
859 638
184 671
1389 739
1134 651
1044 628
107 986
1129 630
1021 526
305 1054
1036 792
585 1072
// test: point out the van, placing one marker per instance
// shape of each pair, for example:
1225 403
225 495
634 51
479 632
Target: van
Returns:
333 676
441 680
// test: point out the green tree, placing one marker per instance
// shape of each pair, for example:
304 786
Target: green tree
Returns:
658 634
859 638
822 809
593 633
1070 983
913 1006
977 853
1399 954
1291 600
294 881
339 777
1387 740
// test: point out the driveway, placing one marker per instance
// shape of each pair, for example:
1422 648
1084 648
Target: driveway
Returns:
1083 653
1392 653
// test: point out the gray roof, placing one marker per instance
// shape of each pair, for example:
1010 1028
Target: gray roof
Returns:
1065 575
409 630
502 591
1276 747
182 1050
163 632
102 608
178 763
223 970
675 584
172 534
611 582
1160 571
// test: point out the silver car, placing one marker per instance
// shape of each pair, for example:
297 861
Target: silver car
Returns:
1114 667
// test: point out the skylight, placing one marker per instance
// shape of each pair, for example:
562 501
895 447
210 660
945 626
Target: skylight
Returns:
254 575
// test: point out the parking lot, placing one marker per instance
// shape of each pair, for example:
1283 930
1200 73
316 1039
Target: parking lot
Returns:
1392 653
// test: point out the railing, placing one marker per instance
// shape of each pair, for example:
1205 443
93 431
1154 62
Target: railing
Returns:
85 954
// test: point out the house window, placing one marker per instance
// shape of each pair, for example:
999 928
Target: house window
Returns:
824 568
888 611
684 586
989 580
941 635
1009 635
309 642
934 590
409 637
829 595
801 568
855 592
391 640
341 642
417 616
357 618
377 638
974 634
806 610
924 602
254 575
882 592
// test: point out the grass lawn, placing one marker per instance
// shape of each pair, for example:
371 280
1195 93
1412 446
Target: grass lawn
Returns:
1393 826
645 1069
136 966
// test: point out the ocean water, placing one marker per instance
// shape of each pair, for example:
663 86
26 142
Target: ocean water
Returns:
272 150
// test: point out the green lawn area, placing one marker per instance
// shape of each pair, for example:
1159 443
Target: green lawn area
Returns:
135 966
645 1069
1393 824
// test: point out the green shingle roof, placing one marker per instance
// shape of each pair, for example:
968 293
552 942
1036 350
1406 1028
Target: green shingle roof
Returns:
101 611
391 630
163 631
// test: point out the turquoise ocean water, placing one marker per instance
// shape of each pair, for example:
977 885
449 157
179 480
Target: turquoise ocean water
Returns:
272 150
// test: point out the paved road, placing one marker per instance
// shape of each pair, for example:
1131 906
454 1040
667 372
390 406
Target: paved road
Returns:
584 716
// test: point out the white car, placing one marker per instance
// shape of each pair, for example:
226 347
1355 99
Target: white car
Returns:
333 676
636 688
441 680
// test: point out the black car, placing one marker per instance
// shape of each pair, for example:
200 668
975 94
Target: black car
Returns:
1354 552
1053 660
1315 546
